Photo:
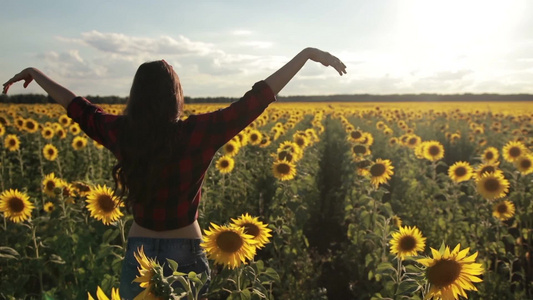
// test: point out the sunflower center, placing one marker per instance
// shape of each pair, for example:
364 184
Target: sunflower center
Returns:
251 229
491 184
283 155
16 205
79 144
12 143
515 152
359 149
444 272
300 142
254 137
412 141
30 125
51 152
229 148
283 169
106 203
224 164
525 164
461 171
355 134
50 185
487 169
229 241
407 243
434 150
489 155
502 208
377 170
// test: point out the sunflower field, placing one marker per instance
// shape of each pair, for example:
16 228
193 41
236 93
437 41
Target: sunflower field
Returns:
311 201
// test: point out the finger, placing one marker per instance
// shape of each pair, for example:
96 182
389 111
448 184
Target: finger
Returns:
6 87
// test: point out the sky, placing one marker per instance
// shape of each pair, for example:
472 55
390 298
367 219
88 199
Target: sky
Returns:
221 48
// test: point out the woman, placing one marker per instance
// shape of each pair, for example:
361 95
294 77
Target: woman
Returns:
162 159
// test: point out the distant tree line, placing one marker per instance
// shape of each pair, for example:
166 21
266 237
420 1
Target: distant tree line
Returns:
468 97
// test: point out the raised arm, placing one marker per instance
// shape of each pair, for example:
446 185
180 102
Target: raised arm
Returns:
281 77
59 93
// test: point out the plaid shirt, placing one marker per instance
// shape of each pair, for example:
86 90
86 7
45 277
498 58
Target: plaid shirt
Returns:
175 203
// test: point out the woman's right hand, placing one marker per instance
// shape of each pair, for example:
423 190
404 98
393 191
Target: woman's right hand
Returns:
326 59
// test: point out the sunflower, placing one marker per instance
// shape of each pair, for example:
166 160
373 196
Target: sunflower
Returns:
433 150
64 120
524 164
413 141
49 207
396 221
359 151
513 150
380 171
367 139
225 164
265 141
31 126
450 274
301 140
407 242
2 130
74 128
284 155
61 133
355 135
363 167
50 183
79 143
485 168
50 152
293 148
228 245
231 148
98 145
255 136
284 170
146 272
503 210
12 142
393 141
104 205
81 189
460 171
255 228
47 133
15 205
102 296
492 185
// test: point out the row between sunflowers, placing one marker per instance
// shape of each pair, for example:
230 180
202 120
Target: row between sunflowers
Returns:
311 201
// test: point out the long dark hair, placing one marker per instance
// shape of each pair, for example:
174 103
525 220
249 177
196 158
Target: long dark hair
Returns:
154 106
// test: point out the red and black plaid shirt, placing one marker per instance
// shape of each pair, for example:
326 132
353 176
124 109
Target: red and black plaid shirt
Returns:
175 203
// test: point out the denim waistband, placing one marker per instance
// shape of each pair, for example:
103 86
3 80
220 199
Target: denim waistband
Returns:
154 244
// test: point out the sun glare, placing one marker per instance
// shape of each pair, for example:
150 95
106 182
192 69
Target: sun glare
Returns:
452 34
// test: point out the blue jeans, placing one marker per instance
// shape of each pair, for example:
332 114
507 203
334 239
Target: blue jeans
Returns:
186 252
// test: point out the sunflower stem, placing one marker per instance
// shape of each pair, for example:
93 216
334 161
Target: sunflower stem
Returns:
36 246
20 162
2 171
122 235
59 168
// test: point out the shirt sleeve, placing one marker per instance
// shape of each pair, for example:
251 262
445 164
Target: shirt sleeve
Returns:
96 123
214 129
